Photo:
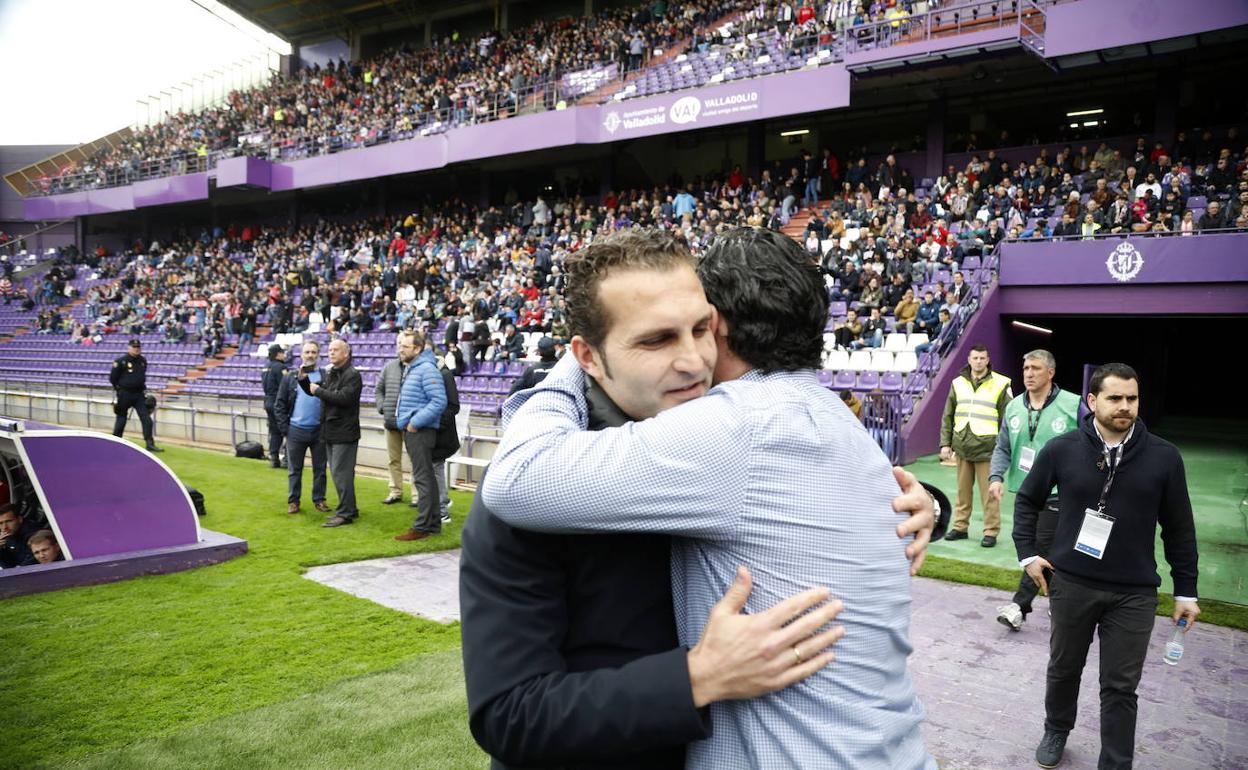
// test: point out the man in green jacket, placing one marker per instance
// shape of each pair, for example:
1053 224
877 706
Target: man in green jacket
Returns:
1032 418
968 429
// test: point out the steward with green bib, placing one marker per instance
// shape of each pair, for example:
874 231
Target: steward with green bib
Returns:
1039 413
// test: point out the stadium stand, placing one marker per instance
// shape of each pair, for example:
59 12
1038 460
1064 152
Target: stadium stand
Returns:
404 94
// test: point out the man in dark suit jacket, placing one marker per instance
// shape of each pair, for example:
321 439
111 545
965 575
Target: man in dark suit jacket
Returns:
340 389
447 441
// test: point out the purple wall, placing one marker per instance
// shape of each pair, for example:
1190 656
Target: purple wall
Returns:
253 172
921 435
1143 299
170 189
107 496
1123 261
1093 25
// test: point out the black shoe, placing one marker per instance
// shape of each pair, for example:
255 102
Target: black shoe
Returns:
955 535
338 521
1049 752
154 448
391 500
989 541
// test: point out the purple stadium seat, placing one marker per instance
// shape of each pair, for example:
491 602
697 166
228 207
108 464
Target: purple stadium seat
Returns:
891 382
868 381
844 380
825 378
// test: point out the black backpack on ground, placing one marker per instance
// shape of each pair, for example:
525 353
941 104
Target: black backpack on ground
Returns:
197 499
249 449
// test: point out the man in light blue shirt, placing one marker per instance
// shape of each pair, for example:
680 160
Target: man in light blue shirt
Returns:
298 413
768 470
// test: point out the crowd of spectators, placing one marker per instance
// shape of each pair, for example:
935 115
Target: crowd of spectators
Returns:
498 265
401 92
495 271
455 80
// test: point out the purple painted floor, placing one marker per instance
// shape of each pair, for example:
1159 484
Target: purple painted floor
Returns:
982 684
983 687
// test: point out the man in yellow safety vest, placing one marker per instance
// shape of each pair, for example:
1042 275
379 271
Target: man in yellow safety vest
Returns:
968 429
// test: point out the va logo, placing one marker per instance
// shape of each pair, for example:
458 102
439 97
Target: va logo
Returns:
612 122
1124 262
1059 425
685 110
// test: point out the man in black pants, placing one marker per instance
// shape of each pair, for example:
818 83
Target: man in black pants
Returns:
1030 420
1116 483
274 371
129 379
339 390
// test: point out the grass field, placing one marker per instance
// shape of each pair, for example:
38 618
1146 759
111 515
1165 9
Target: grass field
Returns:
241 664
247 664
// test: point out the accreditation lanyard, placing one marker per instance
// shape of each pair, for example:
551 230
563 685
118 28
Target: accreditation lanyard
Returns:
1093 539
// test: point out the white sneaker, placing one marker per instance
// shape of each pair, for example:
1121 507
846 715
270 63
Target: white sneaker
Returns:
1010 615
446 518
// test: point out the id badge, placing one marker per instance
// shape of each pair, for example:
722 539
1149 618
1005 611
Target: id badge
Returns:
1026 457
1094 534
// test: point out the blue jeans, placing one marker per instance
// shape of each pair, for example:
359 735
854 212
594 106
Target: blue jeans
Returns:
298 442
812 191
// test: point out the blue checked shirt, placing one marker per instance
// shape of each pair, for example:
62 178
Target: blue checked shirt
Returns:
771 471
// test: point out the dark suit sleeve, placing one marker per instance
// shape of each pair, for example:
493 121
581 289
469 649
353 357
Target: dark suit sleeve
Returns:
452 394
282 406
347 393
524 706
1031 497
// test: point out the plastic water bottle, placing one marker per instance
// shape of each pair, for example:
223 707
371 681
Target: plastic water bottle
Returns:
1174 647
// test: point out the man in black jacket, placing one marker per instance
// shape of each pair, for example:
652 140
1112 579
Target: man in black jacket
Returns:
15 531
1116 482
271 380
129 379
339 390
446 443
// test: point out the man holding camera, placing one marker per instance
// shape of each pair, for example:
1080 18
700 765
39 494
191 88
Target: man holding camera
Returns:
298 415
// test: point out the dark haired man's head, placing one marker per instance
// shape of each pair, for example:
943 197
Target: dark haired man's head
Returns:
978 360
10 521
771 298
1114 399
640 321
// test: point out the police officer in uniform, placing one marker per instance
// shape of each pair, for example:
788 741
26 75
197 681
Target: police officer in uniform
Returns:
129 379
274 371
1033 417
537 372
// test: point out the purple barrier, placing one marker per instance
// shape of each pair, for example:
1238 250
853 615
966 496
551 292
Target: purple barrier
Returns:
170 189
1121 261
249 171
403 157
823 88
1094 25
104 495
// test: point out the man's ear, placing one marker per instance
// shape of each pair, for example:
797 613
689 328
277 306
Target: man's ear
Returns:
719 324
587 357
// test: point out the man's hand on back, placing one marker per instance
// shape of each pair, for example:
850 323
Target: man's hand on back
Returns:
743 656
915 501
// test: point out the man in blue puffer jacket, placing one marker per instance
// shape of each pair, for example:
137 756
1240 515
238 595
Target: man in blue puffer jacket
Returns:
422 399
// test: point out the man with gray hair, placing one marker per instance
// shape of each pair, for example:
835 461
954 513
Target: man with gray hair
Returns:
339 390
1040 412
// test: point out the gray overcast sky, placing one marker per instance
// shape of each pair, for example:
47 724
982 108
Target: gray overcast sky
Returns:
72 70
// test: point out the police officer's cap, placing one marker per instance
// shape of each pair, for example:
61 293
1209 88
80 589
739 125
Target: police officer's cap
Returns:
136 343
